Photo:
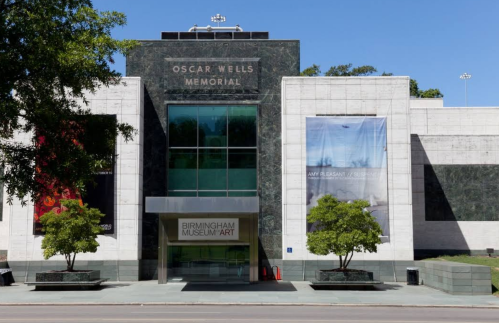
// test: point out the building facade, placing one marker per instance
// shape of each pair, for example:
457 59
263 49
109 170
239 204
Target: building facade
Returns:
233 148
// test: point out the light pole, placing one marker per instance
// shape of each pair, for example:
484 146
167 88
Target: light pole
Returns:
465 77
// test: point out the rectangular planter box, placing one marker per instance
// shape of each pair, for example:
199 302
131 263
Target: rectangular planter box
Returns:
84 276
338 276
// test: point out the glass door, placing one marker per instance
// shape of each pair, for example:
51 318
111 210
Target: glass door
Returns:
208 263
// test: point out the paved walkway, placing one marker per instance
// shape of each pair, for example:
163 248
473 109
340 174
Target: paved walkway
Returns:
266 293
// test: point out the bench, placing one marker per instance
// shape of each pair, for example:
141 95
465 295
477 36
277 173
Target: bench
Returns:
67 285
345 284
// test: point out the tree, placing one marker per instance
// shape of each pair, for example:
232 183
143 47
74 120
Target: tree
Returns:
413 88
52 52
427 94
342 228
70 232
347 70
314 70
431 93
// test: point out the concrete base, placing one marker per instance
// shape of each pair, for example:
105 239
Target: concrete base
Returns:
114 270
455 278
388 271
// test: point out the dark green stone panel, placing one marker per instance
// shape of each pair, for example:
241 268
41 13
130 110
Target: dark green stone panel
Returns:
461 192
275 59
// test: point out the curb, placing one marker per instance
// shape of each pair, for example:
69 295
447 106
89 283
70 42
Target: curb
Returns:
496 307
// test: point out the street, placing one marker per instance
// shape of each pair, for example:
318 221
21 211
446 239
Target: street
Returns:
232 313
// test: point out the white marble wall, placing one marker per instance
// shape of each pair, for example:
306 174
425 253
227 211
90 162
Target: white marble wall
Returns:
452 136
382 96
126 102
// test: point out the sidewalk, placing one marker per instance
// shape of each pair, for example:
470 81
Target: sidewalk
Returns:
264 293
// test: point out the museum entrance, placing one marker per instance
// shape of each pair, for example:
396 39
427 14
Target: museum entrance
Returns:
207 239
209 263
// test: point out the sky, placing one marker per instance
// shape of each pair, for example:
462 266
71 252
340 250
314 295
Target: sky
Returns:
432 41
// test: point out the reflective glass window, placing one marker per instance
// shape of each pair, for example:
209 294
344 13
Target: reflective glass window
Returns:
182 126
213 126
242 126
182 193
242 169
182 169
212 169
212 193
241 193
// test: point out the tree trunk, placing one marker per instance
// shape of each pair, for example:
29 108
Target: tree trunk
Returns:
341 262
68 262
73 262
348 263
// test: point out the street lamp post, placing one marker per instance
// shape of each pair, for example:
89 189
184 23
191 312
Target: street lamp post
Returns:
465 77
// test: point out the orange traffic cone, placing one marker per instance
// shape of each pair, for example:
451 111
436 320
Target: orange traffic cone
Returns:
264 272
278 276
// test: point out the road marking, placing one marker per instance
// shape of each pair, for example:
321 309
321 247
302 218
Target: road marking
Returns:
176 312
225 320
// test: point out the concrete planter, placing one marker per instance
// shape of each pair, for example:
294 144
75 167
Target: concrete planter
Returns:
76 276
343 276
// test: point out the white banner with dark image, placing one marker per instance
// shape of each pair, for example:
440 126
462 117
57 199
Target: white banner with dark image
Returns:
346 157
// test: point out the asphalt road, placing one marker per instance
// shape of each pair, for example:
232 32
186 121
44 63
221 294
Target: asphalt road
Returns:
261 314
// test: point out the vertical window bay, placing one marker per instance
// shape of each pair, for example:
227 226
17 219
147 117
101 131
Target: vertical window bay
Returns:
182 126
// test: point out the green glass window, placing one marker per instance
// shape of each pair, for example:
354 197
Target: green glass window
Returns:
212 169
182 169
242 169
242 126
213 126
182 126
212 193
182 193
212 150
241 193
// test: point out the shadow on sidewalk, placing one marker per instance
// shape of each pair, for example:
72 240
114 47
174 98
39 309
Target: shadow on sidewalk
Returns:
260 287
377 288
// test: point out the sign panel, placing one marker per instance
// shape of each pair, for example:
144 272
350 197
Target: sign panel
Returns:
208 229
212 74
346 157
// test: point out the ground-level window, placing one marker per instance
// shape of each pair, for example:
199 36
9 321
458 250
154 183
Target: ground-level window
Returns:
212 150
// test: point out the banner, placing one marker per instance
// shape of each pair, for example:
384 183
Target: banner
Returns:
346 157
100 193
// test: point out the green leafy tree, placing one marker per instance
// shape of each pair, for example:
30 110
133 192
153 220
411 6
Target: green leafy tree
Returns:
430 94
72 231
413 88
342 228
314 70
347 70
427 94
52 52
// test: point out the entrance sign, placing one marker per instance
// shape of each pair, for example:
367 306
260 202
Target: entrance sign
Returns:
208 229
346 157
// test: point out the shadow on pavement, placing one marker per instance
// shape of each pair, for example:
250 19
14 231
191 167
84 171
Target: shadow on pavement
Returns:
260 287
377 288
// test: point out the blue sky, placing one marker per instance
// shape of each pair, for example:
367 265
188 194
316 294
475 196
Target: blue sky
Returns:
432 41
344 141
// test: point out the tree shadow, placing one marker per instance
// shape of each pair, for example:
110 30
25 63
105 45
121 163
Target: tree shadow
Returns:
377 287
271 286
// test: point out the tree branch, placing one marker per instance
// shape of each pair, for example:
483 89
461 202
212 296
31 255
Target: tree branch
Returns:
349 260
